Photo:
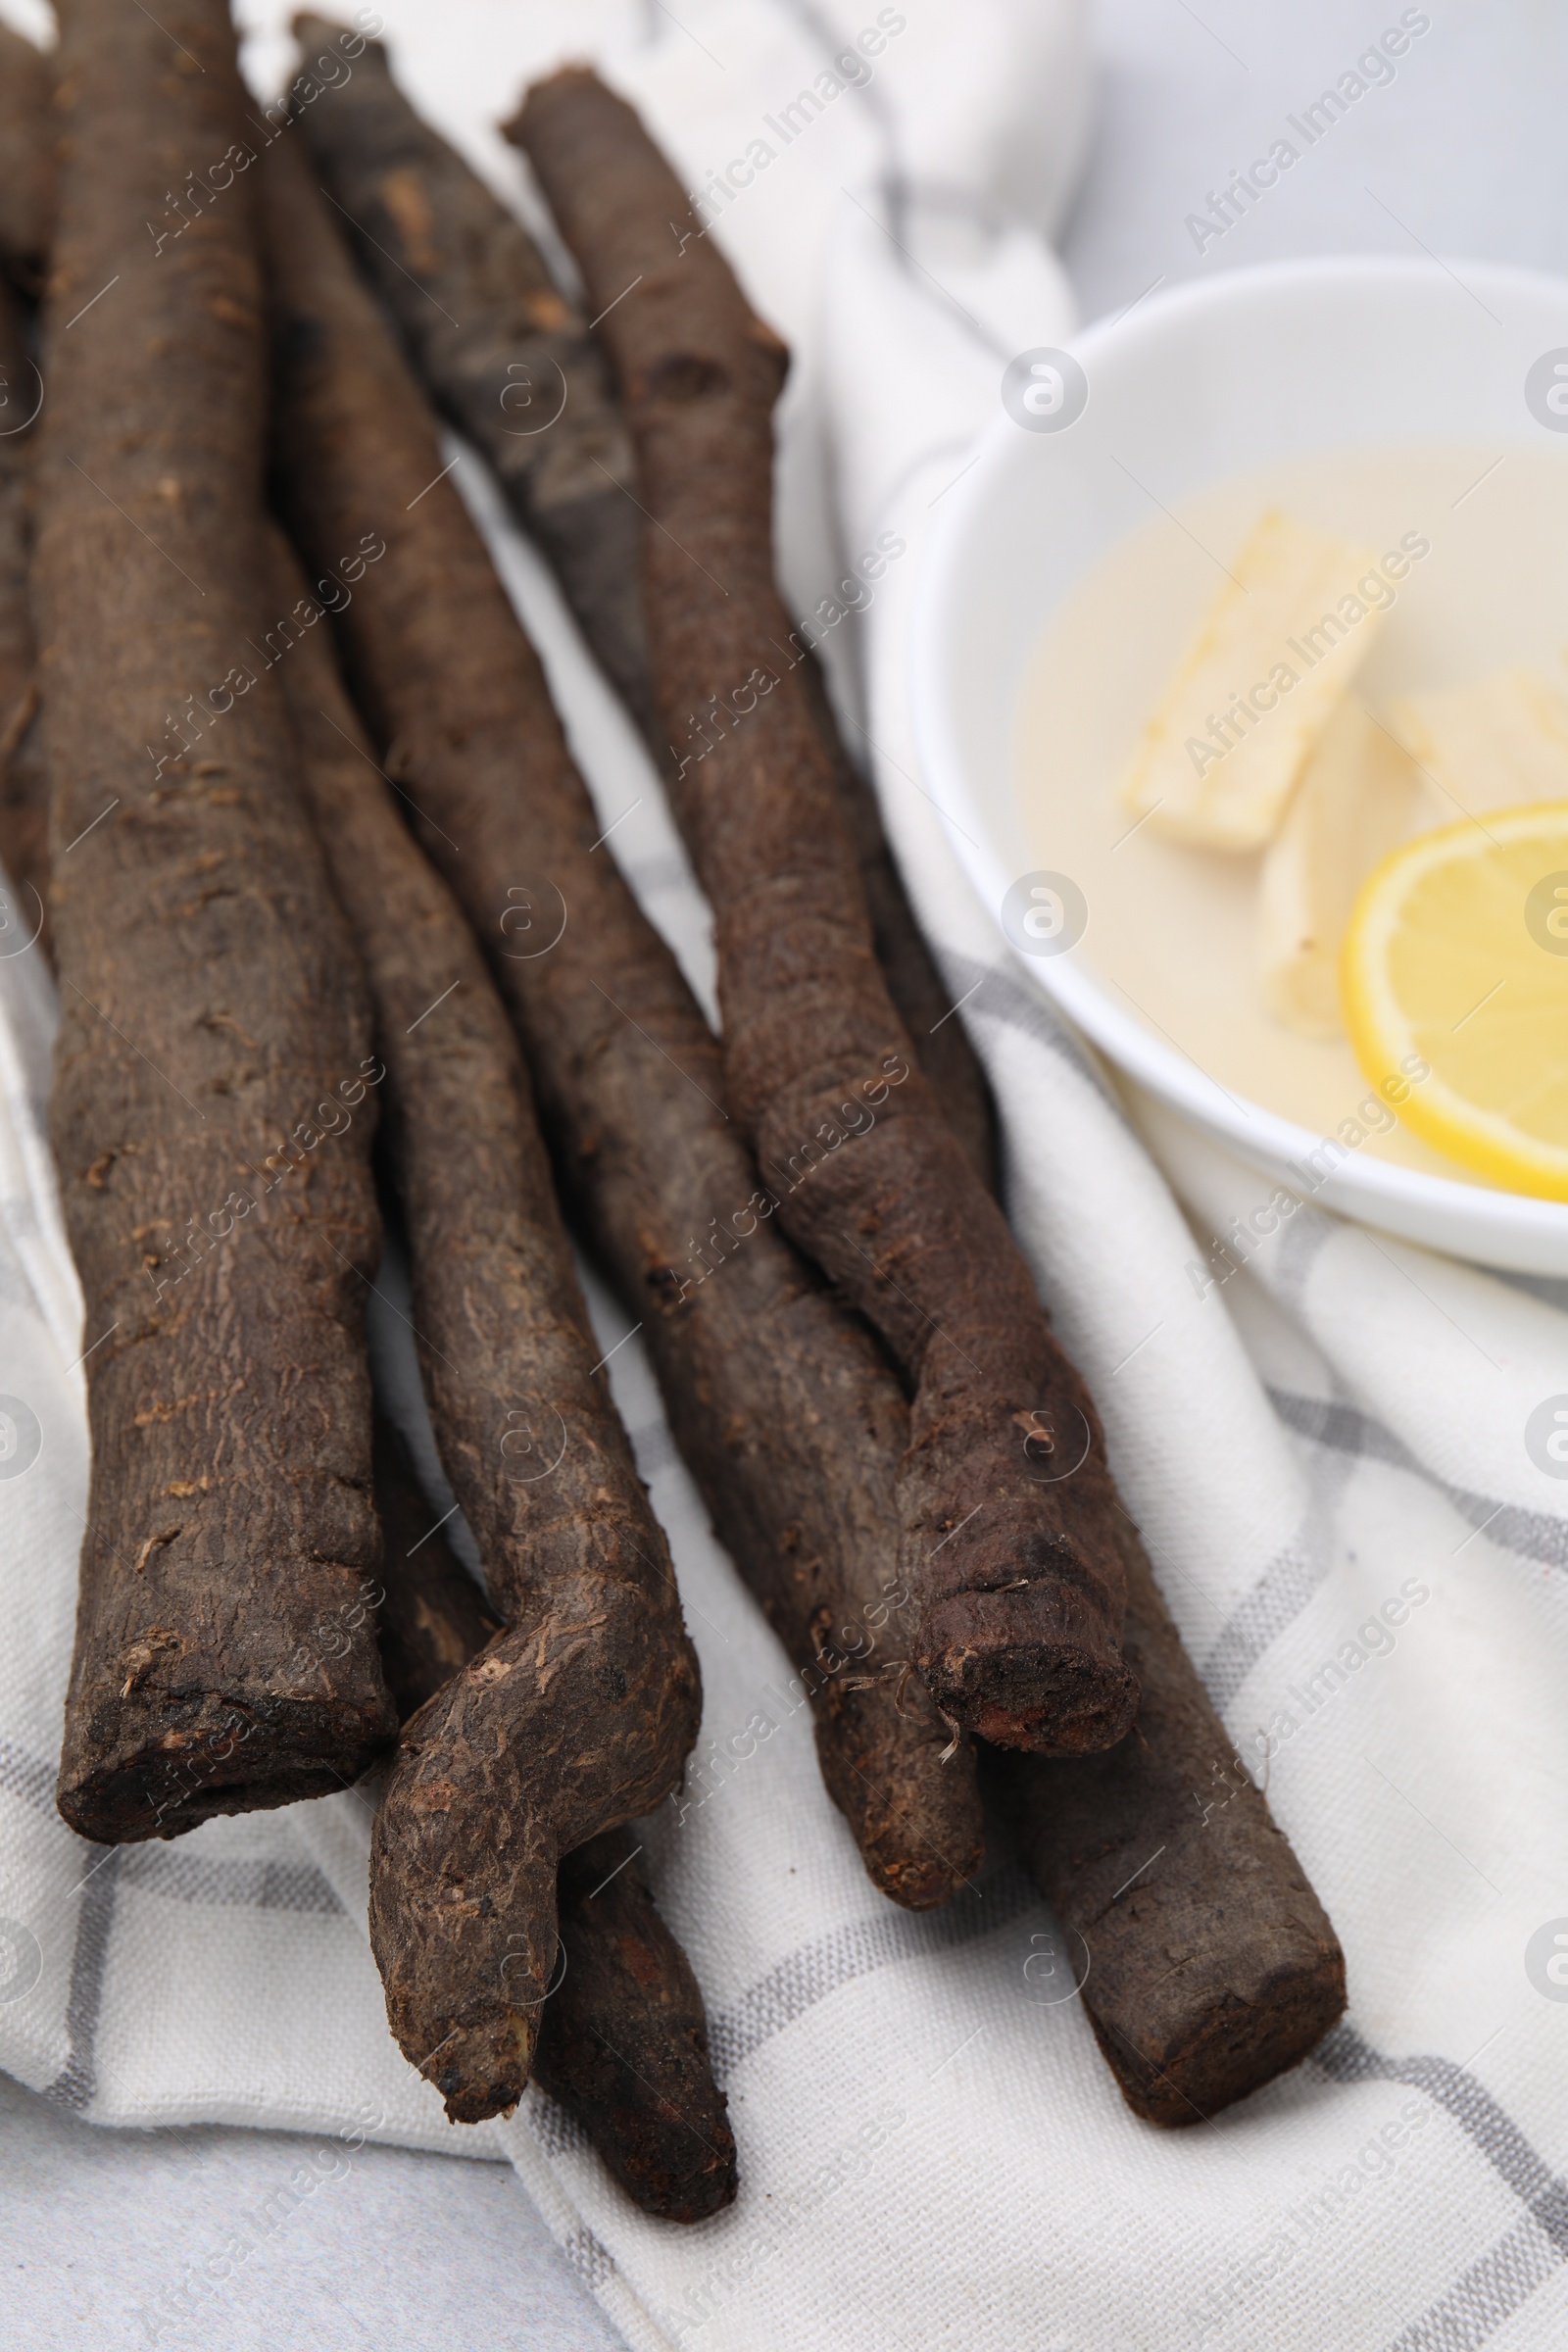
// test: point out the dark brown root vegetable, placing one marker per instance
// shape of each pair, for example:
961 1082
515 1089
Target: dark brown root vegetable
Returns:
780 1402
637 1143
473 1825
506 356
580 1716
1211 1964
624 2037
510 363
1208 1966
920 994
212 1006
1017 1572
624 2042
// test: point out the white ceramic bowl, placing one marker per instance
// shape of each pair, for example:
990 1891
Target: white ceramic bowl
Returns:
1193 387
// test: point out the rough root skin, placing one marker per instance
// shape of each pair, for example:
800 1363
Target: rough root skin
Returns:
624 2037
781 1404
498 344
528 1435
544 1740
211 1003
1211 1965
623 2042
867 1177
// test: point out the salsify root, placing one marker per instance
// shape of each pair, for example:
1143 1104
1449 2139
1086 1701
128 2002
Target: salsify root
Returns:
1211 1966
1016 1563
623 2036
623 2045
506 356
510 361
579 1715
780 1402
1205 1960
212 1006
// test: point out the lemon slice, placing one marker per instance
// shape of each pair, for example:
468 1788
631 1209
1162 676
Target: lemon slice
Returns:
1454 979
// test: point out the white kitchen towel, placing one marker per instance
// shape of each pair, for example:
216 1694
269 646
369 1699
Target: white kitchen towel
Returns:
1328 1453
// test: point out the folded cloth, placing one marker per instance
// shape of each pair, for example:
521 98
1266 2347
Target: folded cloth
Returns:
1326 1452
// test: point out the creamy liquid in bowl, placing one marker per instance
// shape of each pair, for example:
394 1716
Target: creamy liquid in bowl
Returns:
1172 931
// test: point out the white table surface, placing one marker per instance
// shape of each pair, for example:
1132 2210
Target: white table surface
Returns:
1465 155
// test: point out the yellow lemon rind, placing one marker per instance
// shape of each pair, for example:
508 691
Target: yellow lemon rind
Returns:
1381 1034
